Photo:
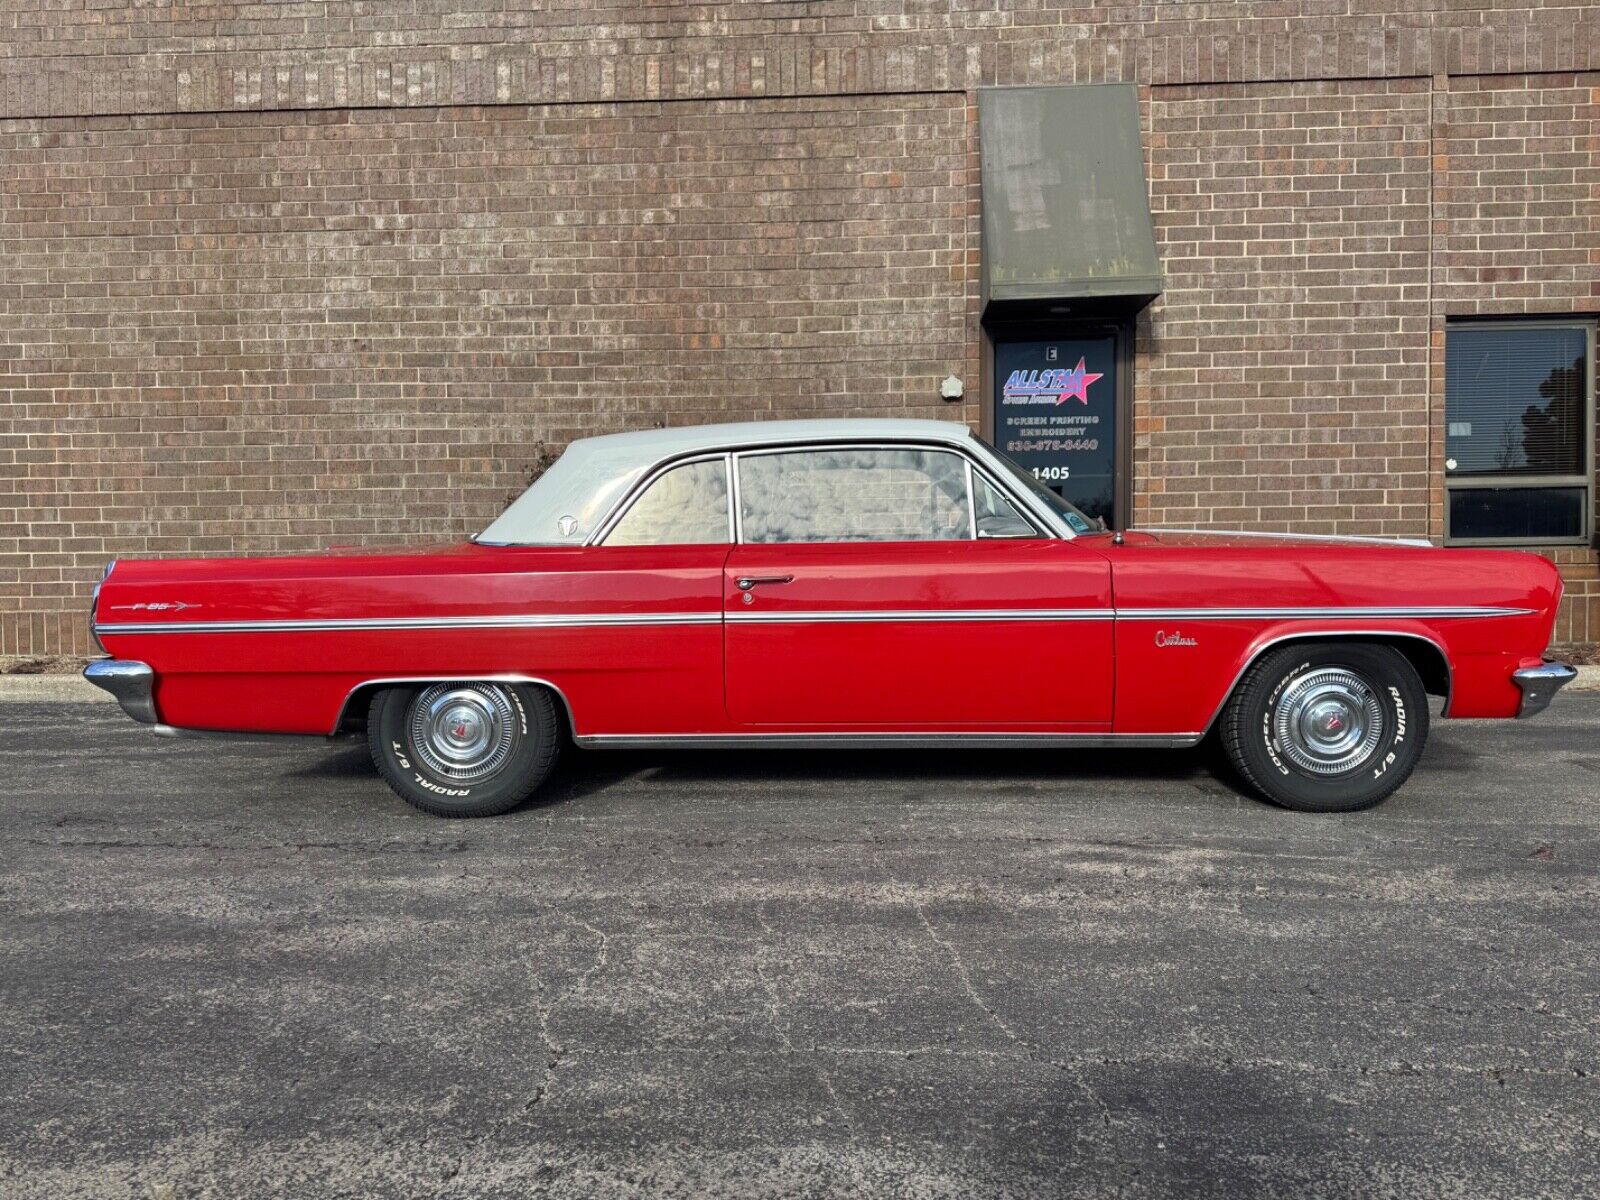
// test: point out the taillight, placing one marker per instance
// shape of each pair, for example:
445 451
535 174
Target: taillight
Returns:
94 606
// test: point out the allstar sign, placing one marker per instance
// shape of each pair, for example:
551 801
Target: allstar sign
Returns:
1075 384
1051 386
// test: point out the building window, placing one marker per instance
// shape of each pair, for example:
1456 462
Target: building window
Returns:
1519 442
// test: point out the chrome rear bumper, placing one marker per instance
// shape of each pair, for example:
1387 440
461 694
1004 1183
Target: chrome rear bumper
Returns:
1540 684
132 683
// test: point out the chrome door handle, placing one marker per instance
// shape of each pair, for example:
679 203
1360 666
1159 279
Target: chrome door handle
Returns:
746 582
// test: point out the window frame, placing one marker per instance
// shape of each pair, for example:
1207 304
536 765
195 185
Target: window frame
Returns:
975 467
649 481
1524 481
970 468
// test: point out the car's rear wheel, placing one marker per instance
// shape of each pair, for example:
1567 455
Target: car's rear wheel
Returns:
1327 726
463 748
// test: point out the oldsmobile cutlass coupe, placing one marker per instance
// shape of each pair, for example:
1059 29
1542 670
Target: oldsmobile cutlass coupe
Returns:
832 583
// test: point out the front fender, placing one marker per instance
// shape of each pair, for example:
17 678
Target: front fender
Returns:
1175 677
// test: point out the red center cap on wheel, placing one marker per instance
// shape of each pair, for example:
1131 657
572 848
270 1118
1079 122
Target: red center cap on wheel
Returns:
460 730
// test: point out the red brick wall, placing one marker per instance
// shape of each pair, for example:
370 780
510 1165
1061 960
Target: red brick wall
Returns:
75 57
1517 195
279 331
1282 382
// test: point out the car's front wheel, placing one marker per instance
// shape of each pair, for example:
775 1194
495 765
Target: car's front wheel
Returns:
463 748
1327 727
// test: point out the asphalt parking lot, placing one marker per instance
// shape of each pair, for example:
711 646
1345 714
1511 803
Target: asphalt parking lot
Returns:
248 970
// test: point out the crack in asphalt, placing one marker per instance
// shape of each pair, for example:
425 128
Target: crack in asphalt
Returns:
554 1054
773 998
961 971
1080 1080
1025 1054
455 847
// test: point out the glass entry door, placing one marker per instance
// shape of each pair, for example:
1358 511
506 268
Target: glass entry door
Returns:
1056 416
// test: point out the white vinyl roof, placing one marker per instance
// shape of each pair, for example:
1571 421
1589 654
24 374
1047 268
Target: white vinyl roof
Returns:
568 502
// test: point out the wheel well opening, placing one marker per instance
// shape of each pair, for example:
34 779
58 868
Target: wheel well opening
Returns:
1426 658
353 718
1428 661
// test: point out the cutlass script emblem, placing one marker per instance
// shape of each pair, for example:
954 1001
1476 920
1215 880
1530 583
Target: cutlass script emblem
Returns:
157 606
1163 638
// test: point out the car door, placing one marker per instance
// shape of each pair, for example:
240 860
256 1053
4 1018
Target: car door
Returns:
860 595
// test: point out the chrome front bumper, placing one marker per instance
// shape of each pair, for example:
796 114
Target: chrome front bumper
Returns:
132 683
1540 684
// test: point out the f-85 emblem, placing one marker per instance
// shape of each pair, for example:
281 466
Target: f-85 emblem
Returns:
156 606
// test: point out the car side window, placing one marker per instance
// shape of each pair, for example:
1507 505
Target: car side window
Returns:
854 495
996 516
687 505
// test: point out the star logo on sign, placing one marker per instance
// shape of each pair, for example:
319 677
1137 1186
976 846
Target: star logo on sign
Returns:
1076 384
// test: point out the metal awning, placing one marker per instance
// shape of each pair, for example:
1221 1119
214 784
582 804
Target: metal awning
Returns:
1066 212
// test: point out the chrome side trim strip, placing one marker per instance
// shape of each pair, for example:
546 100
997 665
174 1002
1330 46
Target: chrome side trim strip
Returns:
228 735
1366 539
1420 612
811 616
884 741
94 604
554 621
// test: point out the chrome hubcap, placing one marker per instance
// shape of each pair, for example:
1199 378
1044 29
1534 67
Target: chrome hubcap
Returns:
463 731
1328 721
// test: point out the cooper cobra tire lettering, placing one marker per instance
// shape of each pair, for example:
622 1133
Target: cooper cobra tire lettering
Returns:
1272 744
1266 717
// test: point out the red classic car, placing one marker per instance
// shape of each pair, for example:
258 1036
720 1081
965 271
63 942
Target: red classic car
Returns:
832 583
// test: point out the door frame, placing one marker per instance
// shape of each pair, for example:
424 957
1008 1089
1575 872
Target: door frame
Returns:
1062 328
860 612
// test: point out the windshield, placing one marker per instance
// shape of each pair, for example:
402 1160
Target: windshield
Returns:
1075 520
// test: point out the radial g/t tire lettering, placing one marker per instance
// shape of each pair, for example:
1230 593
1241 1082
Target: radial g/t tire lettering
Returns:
463 748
